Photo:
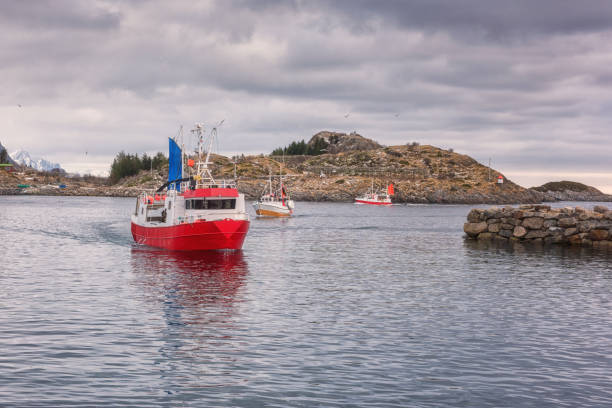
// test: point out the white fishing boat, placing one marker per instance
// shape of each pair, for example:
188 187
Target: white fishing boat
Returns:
274 202
376 198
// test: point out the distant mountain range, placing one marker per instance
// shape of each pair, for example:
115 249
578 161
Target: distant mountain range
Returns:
23 158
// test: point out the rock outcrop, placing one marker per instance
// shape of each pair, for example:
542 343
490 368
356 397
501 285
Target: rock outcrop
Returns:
342 142
5 157
571 191
542 224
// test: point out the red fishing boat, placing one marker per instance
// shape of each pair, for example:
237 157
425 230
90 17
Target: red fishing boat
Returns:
374 198
191 213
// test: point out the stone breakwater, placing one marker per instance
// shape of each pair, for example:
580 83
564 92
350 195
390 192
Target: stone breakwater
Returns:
542 224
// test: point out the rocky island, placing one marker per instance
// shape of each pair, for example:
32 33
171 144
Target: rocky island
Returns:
572 191
339 167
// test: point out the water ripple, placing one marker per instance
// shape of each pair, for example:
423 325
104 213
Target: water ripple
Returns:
340 306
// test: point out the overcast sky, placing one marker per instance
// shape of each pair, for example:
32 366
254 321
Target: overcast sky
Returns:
526 83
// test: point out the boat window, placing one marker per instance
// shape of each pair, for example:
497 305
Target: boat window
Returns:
214 204
227 204
210 204
198 204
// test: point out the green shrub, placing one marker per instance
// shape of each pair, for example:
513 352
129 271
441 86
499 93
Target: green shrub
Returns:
125 165
302 148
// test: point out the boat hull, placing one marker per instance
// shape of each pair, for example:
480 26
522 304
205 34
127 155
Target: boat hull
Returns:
197 236
272 210
372 202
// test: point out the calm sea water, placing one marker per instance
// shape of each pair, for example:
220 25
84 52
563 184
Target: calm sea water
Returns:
341 306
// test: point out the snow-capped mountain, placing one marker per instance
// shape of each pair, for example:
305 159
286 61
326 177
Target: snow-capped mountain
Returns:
23 158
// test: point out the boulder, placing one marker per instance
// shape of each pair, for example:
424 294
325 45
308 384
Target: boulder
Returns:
534 234
586 226
519 231
534 223
506 233
570 231
493 212
475 216
552 215
567 222
511 221
600 209
474 228
485 236
598 234
494 228
550 223
588 215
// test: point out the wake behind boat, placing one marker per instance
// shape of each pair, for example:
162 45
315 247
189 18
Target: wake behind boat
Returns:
376 198
197 212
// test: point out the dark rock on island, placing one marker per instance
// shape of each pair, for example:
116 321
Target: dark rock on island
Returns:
571 191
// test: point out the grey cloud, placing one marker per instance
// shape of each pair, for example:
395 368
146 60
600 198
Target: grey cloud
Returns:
58 14
495 19
519 80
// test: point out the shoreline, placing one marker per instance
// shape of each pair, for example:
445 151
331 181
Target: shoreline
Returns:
317 198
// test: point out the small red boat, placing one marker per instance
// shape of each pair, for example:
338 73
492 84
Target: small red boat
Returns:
380 198
195 212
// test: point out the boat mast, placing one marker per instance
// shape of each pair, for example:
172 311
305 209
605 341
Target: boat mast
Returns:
281 182
203 175
182 152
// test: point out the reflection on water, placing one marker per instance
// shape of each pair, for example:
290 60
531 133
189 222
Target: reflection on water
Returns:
340 306
197 295
200 281
478 247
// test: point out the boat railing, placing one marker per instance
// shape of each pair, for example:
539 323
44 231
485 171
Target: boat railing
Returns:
152 198
197 184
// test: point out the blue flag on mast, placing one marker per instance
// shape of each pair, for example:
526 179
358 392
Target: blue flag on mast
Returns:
175 167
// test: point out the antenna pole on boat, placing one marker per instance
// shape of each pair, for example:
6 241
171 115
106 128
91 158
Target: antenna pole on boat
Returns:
182 152
280 178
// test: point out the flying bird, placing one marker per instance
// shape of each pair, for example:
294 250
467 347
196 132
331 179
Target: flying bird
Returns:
19 105
347 115
396 115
